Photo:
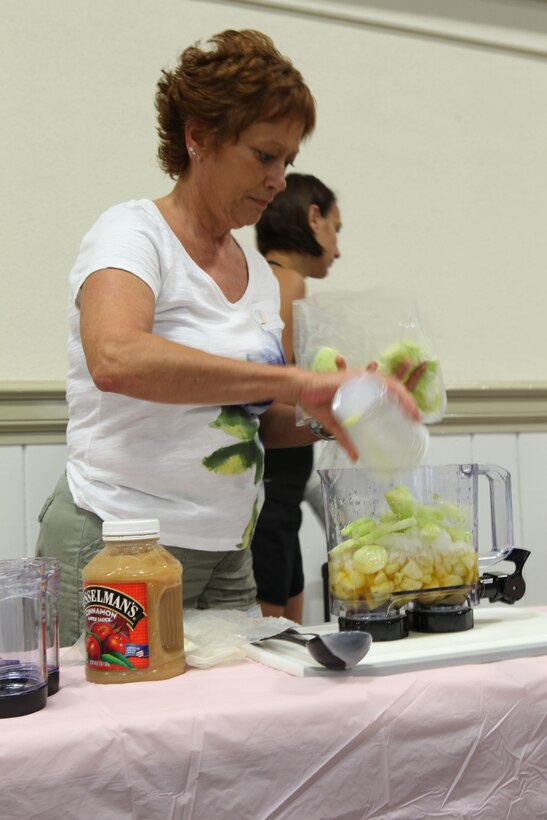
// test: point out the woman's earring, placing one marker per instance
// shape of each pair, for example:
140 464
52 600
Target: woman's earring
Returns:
193 153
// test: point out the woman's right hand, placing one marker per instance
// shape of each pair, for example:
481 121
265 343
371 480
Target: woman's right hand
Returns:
315 398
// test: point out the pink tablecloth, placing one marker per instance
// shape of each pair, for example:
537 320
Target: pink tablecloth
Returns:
245 741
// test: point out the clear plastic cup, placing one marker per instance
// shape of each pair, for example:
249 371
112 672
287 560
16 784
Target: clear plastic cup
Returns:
52 569
23 673
385 437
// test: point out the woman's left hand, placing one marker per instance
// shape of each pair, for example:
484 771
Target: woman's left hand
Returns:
410 375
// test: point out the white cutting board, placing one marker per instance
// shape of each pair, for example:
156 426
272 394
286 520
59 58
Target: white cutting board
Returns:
500 632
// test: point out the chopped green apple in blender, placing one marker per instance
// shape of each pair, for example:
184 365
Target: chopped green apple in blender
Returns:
414 550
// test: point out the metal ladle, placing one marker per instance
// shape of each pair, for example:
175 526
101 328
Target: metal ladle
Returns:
339 651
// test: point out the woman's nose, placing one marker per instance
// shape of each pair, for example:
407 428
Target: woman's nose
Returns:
277 179
282 183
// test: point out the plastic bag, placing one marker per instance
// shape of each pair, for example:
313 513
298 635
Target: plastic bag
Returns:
74 655
377 324
216 636
211 636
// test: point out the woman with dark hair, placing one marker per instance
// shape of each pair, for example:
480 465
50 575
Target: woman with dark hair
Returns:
291 224
298 235
174 328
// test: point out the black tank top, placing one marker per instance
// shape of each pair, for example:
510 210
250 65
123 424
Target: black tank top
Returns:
287 469
286 472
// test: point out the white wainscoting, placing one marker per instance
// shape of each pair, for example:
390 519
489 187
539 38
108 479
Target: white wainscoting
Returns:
28 473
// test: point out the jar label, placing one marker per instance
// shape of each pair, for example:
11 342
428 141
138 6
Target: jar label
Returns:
116 626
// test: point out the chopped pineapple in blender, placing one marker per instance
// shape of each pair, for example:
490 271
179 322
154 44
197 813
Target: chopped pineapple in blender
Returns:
411 549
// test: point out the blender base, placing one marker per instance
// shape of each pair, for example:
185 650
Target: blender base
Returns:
16 703
53 681
440 619
390 628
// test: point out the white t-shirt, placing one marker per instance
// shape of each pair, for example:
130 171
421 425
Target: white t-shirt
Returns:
197 468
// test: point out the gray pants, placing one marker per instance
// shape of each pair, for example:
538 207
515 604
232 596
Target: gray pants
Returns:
211 580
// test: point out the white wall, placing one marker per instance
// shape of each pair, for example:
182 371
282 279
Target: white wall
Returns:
435 147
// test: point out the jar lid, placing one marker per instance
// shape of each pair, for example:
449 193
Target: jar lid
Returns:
134 528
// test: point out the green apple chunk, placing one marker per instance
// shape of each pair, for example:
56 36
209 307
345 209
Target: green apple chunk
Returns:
325 360
427 392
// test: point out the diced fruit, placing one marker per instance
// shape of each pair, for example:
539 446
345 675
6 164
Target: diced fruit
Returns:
456 534
408 584
402 557
387 529
357 529
401 502
356 578
442 541
342 547
381 592
427 392
430 531
325 360
460 569
425 562
412 569
469 559
452 512
371 558
427 513
453 581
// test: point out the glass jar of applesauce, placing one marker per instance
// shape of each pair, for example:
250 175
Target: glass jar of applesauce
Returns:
133 606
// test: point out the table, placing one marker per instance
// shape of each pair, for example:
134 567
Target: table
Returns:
246 742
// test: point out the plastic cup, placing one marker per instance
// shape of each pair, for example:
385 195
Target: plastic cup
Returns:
23 674
385 437
52 573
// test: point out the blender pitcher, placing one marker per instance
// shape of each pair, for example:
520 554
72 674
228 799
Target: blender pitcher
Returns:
403 548
23 674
